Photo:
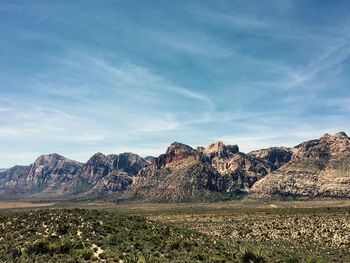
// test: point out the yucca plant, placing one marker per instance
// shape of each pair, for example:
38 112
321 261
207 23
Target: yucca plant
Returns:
252 256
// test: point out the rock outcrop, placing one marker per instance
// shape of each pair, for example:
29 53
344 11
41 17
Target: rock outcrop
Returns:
238 171
49 174
274 155
103 174
177 175
54 176
184 173
318 168
9 181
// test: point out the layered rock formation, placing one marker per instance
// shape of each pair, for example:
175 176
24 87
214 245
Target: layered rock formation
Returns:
9 180
183 173
103 174
275 155
178 175
49 174
238 171
56 176
317 168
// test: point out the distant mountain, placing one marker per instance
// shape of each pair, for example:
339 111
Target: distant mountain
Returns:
149 159
48 175
54 176
316 168
105 174
275 155
186 174
177 175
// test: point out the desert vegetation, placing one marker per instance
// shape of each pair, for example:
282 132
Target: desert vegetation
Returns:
76 235
240 231
275 234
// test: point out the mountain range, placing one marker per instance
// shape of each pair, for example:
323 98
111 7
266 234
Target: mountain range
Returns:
315 168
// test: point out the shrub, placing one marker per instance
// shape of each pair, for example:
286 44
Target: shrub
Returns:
38 247
63 229
292 260
314 260
85 253
251 256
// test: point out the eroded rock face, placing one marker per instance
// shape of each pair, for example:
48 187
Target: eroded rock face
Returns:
317 168
177 175
220 150
183 173
48 174
325 147
51 171
114 182
175 152
238 171
9 180
187 179
275 155
149 159
103 174
54 176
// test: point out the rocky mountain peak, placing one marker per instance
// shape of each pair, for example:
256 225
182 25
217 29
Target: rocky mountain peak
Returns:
275 155
336 136
323 147
129 162
177 148
97 156
341 135
100 159
219 149
175 152
49 159
215 147
318 168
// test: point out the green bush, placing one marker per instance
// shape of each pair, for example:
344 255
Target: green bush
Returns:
292 260
85 253
314 260
63 229
252 256
38 247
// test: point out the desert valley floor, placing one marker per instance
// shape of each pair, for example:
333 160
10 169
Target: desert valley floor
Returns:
279 231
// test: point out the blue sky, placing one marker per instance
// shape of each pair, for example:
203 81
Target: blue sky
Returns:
79 77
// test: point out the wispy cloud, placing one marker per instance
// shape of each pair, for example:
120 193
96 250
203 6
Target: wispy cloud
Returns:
139 78
124 77
331 59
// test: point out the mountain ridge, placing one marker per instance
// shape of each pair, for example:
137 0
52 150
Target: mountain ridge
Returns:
313 168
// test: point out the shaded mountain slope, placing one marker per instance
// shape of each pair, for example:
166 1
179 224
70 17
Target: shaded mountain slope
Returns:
103 174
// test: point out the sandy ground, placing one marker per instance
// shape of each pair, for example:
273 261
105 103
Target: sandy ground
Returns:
154 208
22 204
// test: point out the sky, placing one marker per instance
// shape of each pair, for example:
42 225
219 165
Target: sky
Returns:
80 77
